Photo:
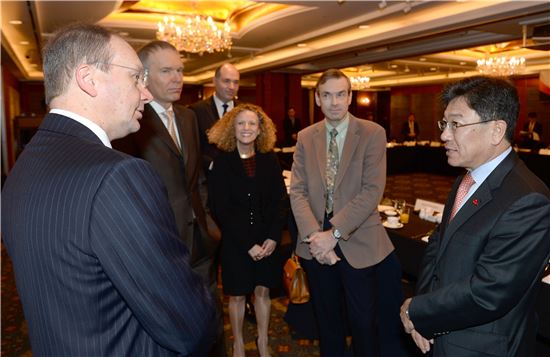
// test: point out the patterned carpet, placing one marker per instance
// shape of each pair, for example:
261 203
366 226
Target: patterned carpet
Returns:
282 343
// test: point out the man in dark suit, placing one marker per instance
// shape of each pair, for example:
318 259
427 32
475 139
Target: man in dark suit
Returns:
410 130
210 110
98 263
345 250
532 132
482 268
169 140
292 126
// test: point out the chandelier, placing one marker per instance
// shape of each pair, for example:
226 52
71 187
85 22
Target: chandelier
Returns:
359 82
196 34
501 66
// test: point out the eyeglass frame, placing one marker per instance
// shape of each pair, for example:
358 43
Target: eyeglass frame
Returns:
143 75
453 125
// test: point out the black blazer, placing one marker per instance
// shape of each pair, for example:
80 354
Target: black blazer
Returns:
481 272
97 262
245 213
181 172
207 116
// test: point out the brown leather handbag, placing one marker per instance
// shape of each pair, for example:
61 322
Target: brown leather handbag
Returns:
295 281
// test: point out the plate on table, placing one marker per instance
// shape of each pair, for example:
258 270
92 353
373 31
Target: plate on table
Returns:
382 208
387 225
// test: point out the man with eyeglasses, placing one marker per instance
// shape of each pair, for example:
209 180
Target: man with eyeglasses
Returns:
98 264
169 140
483 265
338 179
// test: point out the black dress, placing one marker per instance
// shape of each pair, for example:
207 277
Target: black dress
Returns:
248 210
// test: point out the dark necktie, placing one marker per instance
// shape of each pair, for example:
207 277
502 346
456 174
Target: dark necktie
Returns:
225 105
465 185
332 169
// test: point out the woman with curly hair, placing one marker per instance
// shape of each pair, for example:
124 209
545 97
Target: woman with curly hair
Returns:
248 200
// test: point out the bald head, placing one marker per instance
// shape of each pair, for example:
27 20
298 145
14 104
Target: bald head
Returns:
226 82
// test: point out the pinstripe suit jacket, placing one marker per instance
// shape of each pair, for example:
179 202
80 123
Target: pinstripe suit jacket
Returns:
98 263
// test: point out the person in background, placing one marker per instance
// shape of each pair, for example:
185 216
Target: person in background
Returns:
532 132
410 130
338 179
248 199
291 126
98 264
169 140
483 265
210 110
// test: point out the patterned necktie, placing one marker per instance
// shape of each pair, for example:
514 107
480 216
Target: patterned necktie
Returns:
224 105
171 123
465 185
332 169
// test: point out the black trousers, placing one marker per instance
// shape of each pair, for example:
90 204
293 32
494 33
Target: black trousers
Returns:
364 301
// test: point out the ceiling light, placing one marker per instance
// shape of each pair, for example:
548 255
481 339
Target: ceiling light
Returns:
462 63
302 45
422 59
433 69
196 34
501 65
15 22
407 69
382 4
24 43
359 82
393 66
364 27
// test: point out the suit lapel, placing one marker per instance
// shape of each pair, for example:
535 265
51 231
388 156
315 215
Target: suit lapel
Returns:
350 143
184 130
320 147
482 196
156 124
213 109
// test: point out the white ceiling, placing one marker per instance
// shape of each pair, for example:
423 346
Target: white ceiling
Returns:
448 35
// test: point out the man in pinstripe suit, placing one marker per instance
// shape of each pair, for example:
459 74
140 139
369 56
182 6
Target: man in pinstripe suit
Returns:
98 263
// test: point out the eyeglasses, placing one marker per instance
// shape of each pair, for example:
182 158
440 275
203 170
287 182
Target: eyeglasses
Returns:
443 124
141 75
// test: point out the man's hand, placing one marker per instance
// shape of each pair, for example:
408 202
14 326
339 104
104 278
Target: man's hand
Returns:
419 340
328 259
320 243
405 320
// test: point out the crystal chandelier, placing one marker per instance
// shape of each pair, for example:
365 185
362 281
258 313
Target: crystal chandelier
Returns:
196 34
359 82
501 66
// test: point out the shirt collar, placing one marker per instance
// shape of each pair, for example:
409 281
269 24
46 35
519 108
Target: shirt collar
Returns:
96 129
159 109
483 171
342 125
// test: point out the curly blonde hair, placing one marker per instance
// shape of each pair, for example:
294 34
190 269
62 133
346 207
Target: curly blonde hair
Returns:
222 134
